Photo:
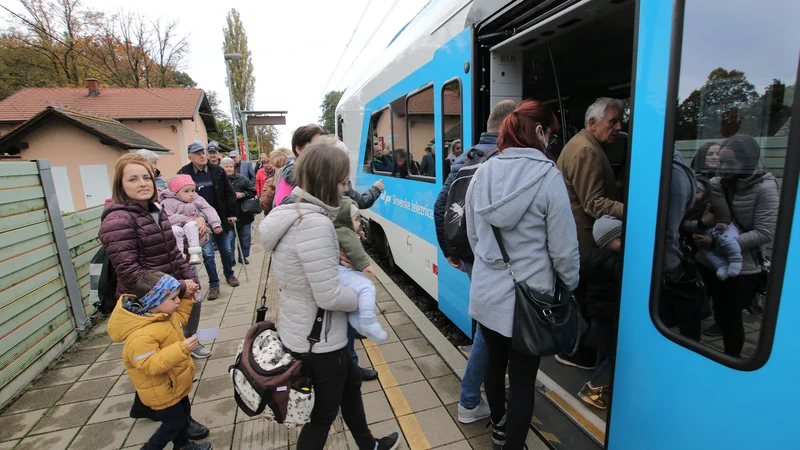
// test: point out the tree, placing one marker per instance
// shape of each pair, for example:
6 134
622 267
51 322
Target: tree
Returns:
328 118
718 108
242 82
59 43
182 79
224 134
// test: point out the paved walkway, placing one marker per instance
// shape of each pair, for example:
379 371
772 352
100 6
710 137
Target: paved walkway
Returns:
82 401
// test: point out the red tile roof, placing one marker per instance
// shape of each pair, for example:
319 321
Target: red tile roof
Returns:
116 103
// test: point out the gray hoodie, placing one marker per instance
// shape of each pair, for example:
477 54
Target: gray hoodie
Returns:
523 194
682 193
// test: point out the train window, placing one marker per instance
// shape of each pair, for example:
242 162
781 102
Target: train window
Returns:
378 155
725 213
421 157
452 144
398 142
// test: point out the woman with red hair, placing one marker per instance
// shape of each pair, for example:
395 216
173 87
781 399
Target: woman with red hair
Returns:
522 194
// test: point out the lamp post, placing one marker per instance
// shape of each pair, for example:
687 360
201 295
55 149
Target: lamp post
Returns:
232 57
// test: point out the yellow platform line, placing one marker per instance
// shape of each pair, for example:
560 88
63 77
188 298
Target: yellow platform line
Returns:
596 432
407 420
550 436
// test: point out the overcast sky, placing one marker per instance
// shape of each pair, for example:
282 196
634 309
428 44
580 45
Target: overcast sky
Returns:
295 45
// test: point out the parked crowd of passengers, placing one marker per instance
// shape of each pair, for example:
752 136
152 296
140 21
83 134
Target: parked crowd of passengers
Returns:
560 218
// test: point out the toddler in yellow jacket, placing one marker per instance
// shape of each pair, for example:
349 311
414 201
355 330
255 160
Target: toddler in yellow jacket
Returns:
157 357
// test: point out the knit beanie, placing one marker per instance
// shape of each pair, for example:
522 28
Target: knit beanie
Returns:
606 229
163 288
179 182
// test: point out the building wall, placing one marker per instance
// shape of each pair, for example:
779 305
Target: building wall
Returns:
65 145
168 133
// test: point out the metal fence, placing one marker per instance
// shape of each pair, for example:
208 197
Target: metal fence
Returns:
44 273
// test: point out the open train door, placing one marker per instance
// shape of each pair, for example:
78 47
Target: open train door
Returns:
720 76
453 90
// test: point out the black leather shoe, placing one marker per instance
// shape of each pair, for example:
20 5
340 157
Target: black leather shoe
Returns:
368 374
195 430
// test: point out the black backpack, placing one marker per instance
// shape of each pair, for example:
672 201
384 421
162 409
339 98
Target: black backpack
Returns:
455 224
102 282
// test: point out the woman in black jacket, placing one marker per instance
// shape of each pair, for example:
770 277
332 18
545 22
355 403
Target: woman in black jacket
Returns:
244 191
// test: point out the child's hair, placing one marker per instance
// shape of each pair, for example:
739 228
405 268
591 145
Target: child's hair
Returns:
146 282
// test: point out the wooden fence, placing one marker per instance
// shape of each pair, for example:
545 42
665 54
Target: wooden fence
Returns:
44 273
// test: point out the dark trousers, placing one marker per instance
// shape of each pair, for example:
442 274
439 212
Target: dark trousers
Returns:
337 383
351 343
174 422
730 298
522 371
605 330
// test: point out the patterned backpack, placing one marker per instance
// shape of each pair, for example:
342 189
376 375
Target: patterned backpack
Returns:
269 380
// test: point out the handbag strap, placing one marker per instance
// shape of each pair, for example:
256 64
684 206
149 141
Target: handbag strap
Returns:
506 260
316 330
266 284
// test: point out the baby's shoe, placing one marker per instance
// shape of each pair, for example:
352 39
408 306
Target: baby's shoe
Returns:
195 255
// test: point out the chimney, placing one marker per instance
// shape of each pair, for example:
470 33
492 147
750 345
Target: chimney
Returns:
93 84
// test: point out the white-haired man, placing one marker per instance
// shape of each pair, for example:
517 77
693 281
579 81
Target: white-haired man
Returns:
590 180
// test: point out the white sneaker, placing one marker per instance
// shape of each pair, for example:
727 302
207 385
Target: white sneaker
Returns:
201 352
480 411
195 255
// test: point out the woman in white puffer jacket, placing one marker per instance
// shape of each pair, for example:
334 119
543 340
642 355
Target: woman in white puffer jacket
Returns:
305 259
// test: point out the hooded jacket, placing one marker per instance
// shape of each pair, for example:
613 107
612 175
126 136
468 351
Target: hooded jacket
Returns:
349 240
682 193
522 193
487 142
159 365
305 261
179 212
136 242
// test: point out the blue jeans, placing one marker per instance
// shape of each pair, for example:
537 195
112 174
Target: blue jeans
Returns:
245 232
351 343
606 344
476 363
223 244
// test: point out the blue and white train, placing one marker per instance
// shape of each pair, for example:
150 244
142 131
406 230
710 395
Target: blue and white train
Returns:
689 72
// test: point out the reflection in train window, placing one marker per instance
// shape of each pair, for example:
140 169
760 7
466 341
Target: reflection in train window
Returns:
339 127
731 128
452 143
379 151
397 143
421 159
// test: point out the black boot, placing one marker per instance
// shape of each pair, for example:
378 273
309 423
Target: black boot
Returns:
195 430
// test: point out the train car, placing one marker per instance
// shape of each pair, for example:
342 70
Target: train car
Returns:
689 73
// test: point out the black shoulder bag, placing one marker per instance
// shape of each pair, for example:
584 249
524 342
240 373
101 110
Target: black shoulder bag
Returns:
543 324
261 312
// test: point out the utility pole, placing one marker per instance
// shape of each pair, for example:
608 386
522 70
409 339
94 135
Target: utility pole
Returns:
232 57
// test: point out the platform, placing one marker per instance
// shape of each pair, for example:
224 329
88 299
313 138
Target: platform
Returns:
82 401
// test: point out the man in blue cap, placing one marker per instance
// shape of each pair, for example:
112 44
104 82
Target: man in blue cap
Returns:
213 185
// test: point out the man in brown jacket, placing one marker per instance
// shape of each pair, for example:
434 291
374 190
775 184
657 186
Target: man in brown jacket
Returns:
588 175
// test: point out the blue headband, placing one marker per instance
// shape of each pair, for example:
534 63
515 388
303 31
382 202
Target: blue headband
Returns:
165 286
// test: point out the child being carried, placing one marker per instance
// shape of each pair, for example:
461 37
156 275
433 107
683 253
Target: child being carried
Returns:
347 226
182 206
725 257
